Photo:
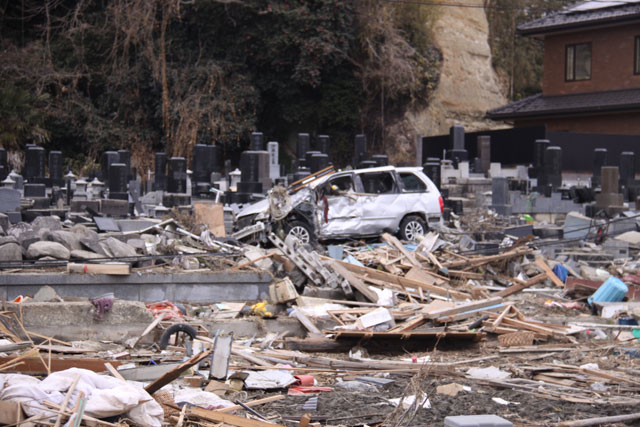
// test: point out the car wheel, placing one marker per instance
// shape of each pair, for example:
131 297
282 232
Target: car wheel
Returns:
412 227
301 231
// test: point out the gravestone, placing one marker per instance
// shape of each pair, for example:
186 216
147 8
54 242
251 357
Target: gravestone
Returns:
9 200
107 158
304 145
160 171
324 144
539 148
274 163
124 156
318 162
256 141
599 160
34 163
177 179
55 165
484 153
360 153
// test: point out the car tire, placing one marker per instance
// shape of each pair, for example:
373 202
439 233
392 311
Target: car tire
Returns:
411 227
301 230
177 329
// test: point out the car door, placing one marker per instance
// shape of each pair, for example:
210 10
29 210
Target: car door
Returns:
338 210
379 201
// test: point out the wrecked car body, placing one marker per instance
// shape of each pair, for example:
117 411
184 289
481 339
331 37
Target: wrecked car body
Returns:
348 204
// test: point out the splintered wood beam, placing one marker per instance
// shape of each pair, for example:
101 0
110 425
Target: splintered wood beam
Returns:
115 269
221 417
401 281
175 372
521 286
394 242
464 308
354 281
253 403
36 366
477 261
550 274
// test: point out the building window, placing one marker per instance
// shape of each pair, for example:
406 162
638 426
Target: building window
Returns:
636 62
578 62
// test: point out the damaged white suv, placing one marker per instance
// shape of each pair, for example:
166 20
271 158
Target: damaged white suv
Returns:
350 204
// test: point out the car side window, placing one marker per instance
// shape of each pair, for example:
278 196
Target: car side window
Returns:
412 183
378 182
340 184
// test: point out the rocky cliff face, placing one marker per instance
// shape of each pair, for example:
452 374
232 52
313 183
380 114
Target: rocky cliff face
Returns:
468 85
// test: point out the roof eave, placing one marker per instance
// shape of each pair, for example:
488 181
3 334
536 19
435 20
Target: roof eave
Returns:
565 112
577 25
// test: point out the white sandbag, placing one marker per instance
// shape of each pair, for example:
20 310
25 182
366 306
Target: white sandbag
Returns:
198 397
106 396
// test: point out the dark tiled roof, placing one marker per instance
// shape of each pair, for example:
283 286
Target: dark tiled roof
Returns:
582 103
564 20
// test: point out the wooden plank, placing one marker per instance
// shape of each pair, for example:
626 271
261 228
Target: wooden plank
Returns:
115 269
149 328
506 311
466 274
113 371
477 261
93 421
35 366
253 403
394 242
354 281
253 359
519 287
221 417
600 420
407 335
306 322
65 401
464 308
65 349
175 373
400 281
465 315
10 413
528 326
550 274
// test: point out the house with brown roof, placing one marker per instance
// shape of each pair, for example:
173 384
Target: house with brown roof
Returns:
591 78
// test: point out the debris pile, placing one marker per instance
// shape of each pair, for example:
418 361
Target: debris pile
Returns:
376 332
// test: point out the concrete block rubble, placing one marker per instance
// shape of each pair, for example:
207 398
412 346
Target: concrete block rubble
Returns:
486 316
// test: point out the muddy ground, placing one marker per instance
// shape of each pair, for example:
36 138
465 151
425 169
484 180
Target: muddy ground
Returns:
354 408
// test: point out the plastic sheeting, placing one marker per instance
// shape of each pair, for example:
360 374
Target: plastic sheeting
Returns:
106 396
